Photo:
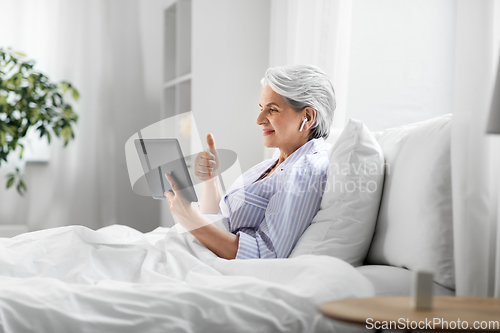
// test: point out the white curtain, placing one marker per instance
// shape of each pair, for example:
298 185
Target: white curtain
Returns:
475 162
315 32
96 45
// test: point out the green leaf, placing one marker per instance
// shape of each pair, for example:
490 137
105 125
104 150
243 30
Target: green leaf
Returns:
21 188
67 112
12 130
21 152
10 182
48 136
2 138
65 132
20 53
64 87
76 95
24 130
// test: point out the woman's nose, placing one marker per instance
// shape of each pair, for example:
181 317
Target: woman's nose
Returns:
261 119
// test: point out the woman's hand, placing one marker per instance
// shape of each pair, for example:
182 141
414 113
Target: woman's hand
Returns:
206 163
182 210
221 242
180 207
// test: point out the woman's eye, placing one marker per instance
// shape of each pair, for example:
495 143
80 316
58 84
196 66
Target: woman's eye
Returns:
273 110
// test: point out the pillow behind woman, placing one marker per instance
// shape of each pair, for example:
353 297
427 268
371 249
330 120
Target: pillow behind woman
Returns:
345 223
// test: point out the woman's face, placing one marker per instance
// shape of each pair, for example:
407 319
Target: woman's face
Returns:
280 122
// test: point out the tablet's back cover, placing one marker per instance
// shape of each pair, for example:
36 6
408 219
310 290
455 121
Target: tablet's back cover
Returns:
160 156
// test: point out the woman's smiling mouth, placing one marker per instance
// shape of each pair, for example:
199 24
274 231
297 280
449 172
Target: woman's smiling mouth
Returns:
267 132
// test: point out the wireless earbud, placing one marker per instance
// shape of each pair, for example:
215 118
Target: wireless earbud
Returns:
303 123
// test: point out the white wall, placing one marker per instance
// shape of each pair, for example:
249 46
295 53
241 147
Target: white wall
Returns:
151 15
401 61
230 56
151 28
133 107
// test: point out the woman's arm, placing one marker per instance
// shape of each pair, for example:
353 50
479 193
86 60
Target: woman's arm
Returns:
210 196
221 242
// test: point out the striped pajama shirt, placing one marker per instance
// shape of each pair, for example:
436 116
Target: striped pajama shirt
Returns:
270 214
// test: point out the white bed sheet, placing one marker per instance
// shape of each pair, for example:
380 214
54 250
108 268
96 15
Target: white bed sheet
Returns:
116 279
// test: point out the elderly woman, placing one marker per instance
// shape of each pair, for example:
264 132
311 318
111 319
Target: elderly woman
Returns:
269 206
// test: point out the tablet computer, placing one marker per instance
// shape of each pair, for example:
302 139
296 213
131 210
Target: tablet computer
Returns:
161 156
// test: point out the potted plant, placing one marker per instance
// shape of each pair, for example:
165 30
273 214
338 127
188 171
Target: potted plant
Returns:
28 99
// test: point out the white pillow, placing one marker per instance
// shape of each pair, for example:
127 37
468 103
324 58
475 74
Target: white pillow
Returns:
414 228
344 225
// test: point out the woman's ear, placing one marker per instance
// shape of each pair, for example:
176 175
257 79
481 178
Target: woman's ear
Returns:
311 117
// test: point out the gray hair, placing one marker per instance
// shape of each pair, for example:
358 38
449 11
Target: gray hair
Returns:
302 86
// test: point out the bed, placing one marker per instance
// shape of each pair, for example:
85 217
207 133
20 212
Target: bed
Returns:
361 243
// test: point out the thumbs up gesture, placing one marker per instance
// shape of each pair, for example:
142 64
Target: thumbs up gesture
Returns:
207 162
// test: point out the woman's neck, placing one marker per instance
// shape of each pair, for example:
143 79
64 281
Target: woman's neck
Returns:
286 152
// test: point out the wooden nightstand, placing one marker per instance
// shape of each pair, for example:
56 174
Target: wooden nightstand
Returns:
375 311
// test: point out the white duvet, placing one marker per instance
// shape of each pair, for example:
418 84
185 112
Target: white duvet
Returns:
116 279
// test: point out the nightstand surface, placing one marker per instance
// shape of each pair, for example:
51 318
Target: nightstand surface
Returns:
392 308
